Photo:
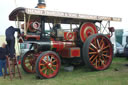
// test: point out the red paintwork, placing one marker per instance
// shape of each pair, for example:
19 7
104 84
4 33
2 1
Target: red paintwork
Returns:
70 52
75 52
65 53
37 37
70 36
33 26
59 45
108 36
20 40
86 30
30 28
52 73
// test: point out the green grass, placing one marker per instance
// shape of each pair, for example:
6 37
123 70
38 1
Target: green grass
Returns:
117 74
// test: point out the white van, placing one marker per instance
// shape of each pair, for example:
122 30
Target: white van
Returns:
125 35
113 40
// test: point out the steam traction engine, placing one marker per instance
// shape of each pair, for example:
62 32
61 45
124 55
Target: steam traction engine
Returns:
59 37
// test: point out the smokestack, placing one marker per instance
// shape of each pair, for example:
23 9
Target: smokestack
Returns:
41 4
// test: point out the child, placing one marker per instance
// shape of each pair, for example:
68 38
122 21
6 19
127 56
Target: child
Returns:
3 53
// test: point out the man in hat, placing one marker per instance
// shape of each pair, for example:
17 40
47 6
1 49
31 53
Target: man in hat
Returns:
10 39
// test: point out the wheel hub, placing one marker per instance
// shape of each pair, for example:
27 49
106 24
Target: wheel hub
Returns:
100 52
50 65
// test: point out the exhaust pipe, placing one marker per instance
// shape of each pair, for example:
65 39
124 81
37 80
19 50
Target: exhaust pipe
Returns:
41 4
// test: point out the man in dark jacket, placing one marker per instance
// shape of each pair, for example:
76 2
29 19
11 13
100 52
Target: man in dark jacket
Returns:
3 54
10 31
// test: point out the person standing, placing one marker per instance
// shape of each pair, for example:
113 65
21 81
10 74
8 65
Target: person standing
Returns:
3 54
10 39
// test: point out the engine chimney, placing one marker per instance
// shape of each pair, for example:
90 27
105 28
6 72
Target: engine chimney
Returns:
41 4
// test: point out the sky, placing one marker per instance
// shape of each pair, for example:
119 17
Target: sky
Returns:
113 8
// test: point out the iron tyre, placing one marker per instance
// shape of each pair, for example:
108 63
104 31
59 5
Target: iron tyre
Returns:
27 62
97 52
48 65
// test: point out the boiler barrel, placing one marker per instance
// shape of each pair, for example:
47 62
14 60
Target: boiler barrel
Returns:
58 45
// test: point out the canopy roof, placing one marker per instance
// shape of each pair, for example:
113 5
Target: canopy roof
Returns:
64 17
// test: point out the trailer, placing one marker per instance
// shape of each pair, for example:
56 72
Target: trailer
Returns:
86 40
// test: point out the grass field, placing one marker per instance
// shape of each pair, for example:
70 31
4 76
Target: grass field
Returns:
117 74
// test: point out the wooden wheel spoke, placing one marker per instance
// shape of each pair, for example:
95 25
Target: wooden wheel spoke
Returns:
101 42
98 62
42 65
51 58
91 57
98 43
94 42
102 62
106 47
102 46
53 61
92 53
44 61
46 70
93 46
105 51
91 49
94 59
104 59
47 57
54 65
105 55
52 69
43 69
49 71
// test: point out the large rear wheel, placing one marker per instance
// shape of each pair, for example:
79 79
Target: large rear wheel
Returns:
97 52
48 65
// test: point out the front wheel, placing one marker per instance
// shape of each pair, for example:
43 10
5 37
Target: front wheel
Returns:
97 52
48 64
28 62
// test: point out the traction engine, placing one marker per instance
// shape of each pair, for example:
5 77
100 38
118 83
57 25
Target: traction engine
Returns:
85 41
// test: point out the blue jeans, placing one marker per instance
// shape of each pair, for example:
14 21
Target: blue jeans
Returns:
3 65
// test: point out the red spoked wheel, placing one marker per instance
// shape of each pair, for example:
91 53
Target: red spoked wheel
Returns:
28 62
48 64
97 52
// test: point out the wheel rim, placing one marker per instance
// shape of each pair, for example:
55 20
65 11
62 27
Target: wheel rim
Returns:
29 62
49 65
100 52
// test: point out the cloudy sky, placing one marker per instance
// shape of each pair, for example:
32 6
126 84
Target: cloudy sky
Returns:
113 8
